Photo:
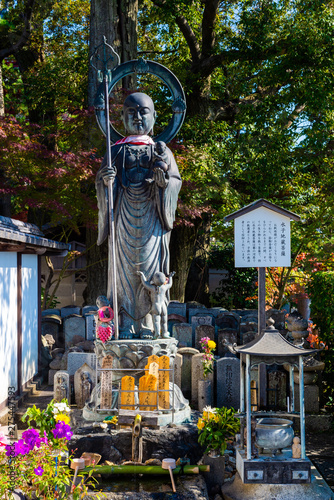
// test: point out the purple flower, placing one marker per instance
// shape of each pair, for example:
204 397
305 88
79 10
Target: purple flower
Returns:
62 430
20 448
38 471
31 438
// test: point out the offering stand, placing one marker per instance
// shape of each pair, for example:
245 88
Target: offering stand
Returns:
253 465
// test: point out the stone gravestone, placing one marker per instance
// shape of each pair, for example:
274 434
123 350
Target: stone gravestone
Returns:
276 389
183 333
61 389
231 336
178 360
51 312
76 359
203 331
83 384
248 326
106 382
90 326
228 320
178 308
73 325
200 319
196 376
187 354
50 326
88 310
228 382
69 310
248 337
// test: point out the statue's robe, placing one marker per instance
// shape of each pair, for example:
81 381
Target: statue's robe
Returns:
144 216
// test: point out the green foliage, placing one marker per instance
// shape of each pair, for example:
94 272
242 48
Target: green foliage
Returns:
321 292
215 427
239 290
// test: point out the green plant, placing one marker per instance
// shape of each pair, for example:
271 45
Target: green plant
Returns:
46 419
321 292
215 427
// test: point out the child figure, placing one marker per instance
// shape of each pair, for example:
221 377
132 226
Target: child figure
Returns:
161 159
158 288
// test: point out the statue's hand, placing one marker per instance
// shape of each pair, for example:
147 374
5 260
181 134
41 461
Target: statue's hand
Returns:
108 174
171 274
159 178
140 274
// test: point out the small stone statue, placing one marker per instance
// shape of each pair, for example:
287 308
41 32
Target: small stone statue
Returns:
158 288
62 389
86 386
296 448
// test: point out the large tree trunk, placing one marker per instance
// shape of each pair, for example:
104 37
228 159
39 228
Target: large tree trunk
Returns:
117 21
97 268
197 288
181 255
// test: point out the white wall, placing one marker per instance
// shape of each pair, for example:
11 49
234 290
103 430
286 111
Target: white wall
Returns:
30 305
8 322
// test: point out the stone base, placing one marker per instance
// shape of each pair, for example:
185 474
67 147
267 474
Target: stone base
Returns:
281 469
316 490
311 398
149 419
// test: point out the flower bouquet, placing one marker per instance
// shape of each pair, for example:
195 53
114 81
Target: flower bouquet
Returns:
208 347
215 427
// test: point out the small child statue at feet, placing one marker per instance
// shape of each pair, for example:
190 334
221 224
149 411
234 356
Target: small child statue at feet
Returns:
158 288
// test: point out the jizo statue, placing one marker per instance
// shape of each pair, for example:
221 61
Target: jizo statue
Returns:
146 183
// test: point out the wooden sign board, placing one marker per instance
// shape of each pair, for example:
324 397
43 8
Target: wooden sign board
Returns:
262 239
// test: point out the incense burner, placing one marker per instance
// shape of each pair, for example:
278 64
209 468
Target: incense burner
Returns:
273 434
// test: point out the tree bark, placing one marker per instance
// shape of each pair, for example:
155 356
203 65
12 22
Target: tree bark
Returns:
96 269
197 288
181 255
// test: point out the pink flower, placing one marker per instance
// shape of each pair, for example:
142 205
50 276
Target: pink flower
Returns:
3 441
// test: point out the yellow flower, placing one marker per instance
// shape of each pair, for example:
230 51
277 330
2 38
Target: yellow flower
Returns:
217 418
205 415
211 345
200 424
211 416
63 418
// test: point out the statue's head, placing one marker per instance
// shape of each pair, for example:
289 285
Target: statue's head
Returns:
158 279
138 114
102 301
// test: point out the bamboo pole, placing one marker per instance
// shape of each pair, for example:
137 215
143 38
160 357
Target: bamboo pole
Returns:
145 469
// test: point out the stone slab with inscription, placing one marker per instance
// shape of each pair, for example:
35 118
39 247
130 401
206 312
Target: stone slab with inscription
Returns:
228 381
183 333
76 359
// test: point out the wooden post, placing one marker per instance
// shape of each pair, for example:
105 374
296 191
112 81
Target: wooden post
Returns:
262 394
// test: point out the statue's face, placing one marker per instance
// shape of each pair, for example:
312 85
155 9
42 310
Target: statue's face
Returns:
138 114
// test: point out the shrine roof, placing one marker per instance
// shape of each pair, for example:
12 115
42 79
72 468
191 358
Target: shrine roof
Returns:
16 235
272 343
258 204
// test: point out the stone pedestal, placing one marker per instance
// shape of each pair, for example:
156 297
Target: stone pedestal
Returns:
217 470
311 398
204 394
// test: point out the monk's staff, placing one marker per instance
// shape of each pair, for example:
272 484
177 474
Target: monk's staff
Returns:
111 234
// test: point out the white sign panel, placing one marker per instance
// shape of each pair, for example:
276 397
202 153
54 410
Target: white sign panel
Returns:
262 239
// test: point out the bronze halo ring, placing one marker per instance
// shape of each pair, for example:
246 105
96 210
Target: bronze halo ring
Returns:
140 67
